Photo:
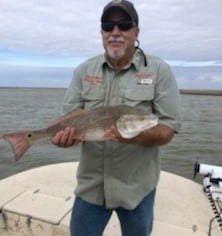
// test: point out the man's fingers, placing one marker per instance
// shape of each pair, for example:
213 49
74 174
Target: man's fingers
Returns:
70 137
57 137
66 138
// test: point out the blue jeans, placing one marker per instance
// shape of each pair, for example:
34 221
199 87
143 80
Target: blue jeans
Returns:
90 220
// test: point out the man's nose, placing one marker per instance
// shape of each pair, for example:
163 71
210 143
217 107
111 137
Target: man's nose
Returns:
116 30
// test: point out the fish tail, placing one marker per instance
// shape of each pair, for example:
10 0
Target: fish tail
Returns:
19 142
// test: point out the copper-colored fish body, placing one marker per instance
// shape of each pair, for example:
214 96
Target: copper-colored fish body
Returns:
92 125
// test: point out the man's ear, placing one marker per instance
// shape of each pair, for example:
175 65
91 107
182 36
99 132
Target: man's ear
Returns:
137 31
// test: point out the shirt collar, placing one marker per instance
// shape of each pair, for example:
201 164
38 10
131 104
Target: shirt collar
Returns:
136 61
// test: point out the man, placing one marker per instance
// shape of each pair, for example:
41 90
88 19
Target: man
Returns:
120 174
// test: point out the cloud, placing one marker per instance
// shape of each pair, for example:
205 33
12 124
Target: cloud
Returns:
35 76
186 30
49 38
46 27
199 77
172 29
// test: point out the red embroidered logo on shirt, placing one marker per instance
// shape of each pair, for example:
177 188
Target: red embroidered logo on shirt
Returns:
93 79
147 75
145 78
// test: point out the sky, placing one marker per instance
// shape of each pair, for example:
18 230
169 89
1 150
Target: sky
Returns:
42 41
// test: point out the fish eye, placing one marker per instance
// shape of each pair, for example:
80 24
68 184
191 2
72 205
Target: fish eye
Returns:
29 135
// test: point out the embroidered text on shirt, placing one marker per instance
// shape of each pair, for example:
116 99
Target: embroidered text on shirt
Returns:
93 79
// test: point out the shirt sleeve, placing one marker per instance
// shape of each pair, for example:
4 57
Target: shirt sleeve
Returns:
72 98
167 102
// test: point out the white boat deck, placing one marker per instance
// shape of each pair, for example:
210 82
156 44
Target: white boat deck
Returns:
39 201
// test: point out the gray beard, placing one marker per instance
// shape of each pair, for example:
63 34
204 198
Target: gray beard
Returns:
116 55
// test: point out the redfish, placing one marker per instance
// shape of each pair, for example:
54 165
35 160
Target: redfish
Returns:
92 125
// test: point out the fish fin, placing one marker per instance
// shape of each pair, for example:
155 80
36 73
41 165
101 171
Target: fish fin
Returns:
19 143
106 136
68 115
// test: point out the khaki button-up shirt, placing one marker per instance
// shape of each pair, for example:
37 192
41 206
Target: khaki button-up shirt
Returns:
117 174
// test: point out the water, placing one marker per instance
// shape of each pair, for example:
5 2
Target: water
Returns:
23 108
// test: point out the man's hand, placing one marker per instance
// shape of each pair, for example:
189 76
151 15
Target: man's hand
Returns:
66 138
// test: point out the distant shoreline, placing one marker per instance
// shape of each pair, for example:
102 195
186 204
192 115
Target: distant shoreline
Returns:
182 91
201 92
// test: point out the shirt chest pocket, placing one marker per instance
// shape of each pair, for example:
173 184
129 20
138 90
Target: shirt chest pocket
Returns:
140 96
93 97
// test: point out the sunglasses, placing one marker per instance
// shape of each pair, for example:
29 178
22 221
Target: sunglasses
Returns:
123 25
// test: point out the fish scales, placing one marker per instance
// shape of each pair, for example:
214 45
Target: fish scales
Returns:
102 117
92 125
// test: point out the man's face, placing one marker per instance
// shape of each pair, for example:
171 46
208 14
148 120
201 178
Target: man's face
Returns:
119 43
